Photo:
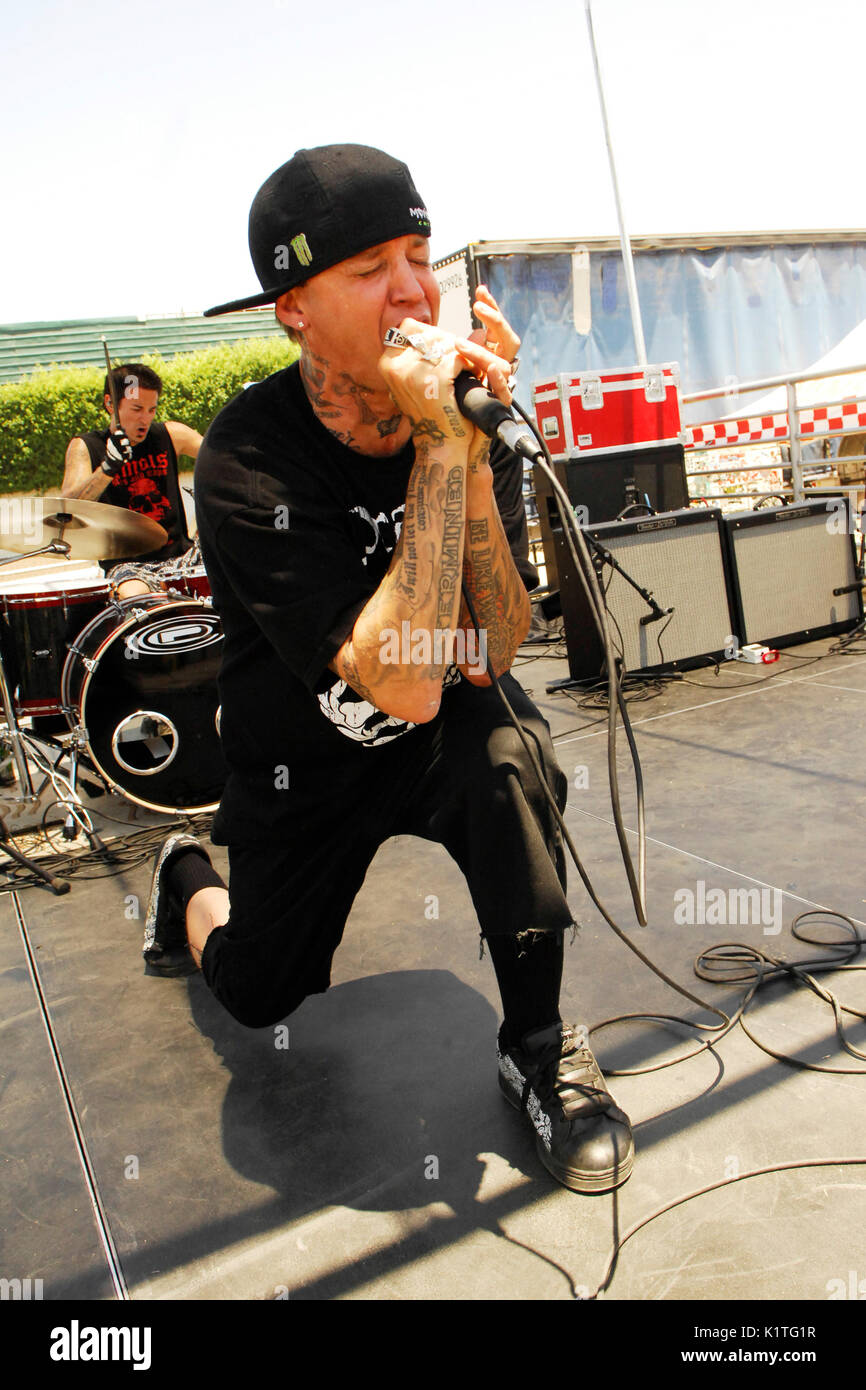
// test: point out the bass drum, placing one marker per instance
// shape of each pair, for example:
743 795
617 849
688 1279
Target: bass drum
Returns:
140 683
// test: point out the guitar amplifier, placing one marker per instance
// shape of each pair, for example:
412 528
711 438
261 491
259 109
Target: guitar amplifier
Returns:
794 572
598 488
679 557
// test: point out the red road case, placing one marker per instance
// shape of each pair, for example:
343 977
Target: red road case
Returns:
586 413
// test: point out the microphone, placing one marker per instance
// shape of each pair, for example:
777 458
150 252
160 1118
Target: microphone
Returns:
482 409
656 615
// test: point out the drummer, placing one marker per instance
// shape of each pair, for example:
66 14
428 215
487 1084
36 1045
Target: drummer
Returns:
133 464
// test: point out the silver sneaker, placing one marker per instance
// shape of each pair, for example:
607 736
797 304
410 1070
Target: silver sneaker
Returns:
165 945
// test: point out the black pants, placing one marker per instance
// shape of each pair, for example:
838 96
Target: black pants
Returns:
464 780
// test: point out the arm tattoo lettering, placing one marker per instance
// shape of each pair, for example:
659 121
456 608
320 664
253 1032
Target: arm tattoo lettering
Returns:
496 591
449 572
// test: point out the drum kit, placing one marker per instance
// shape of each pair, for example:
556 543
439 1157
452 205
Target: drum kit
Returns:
133 680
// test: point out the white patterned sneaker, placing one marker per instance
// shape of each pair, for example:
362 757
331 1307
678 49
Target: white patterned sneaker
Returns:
583 1138
165 946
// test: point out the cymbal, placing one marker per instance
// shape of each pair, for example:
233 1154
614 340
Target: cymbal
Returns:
92 530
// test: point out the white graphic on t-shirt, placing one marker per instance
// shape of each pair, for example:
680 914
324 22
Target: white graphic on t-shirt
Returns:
348 711
381 526
358 719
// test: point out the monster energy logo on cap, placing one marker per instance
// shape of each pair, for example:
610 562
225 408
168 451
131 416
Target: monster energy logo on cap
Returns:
301 248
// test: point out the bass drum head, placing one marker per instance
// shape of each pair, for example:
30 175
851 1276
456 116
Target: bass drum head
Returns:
144 685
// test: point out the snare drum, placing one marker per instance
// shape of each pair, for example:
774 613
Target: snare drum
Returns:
41 614
186 575
191 583
140 683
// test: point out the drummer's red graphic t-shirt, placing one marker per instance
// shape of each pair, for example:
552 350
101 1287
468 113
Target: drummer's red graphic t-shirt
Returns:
147 484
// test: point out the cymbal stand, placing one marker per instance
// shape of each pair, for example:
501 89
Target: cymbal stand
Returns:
71 800
57 885
15 738
53 548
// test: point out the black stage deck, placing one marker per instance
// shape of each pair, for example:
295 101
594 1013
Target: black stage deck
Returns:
362 1151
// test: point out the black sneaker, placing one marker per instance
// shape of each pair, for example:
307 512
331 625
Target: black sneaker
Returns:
165 945
584 1139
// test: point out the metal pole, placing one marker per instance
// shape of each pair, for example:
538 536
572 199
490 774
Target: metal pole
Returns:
14 735
794 437
631 284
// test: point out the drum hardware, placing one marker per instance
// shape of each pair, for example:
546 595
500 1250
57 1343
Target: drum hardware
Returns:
7 762
53 548
27 793
58 886
186 576
26 748
77 819
14 736
86 659
76 751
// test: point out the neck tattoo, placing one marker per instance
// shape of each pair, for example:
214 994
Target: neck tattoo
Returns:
344 405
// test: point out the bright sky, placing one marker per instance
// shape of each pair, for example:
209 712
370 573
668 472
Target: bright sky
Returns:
136 136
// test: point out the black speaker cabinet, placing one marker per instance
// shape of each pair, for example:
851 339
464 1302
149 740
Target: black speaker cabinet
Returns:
679 557
794 572
600 485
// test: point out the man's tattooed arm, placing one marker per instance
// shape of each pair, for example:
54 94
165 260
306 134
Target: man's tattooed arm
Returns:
400 645
498 594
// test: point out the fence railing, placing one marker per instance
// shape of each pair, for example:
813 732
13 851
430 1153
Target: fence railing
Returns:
795 425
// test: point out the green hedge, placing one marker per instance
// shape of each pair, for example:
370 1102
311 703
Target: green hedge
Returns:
40 414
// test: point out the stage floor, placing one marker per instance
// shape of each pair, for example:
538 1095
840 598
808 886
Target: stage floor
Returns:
362 1150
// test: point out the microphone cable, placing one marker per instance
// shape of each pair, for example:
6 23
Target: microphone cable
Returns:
585 569
616 703
727 963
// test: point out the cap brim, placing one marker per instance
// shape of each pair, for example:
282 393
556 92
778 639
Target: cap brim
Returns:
253 301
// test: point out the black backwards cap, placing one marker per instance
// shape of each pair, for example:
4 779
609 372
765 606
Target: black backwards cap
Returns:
322 207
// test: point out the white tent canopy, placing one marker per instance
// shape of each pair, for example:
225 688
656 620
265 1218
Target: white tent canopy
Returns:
850 351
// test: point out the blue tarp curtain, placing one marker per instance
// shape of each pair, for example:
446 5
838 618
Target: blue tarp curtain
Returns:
723 314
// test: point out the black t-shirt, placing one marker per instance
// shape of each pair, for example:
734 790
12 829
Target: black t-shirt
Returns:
147 484
297 532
